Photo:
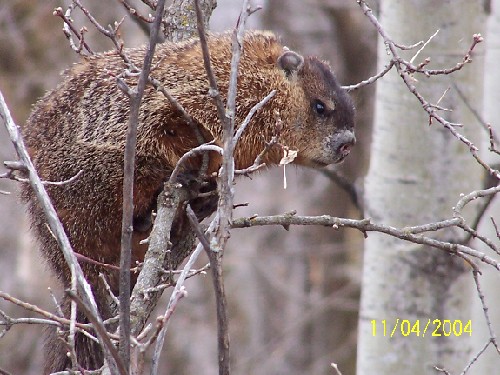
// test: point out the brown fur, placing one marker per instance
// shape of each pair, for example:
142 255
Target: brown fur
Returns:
81 125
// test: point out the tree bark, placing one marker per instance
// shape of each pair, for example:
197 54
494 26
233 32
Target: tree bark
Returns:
416 175
489 362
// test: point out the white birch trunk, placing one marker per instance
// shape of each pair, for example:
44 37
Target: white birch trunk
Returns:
416 174
489 363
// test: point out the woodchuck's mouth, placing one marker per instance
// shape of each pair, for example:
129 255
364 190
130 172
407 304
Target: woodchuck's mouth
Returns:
319 164
315 163
341 158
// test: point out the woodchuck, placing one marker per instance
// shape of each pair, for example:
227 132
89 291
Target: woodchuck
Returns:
81 126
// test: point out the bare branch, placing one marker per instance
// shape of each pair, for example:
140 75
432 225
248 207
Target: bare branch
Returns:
128 186
476 39
161 287
372 79
336 368
493 140
493 337
475 112
214 90
465 199
174 297
53 221
145 295
496 227
250 115
68 29
14 166
135 14
366 225
423 45
102 333
197 228
190 154
72 324
52 319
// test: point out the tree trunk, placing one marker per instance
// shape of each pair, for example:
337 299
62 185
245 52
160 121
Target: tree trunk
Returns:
416 175
489 362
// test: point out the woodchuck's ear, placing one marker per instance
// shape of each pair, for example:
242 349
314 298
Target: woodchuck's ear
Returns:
290 62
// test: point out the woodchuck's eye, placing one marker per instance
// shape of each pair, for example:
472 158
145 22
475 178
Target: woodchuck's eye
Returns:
319 107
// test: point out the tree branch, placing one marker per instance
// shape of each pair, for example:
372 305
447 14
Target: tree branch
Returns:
179 285
56 227
410 234
144 298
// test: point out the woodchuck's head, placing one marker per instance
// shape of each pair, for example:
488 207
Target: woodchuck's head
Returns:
324 133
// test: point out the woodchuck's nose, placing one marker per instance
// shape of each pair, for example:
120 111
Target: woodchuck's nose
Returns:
343 143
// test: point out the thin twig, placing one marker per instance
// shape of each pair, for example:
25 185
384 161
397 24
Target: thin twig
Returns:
135 13
197 228
128 186
258 163
424 44
51 318
336 368
69 28
56 303
372 79
476 357
497 231
493 337
493 140
174 298
250 115
101 332
162 322
108 289
72 324
444 371
200 271
214 90
474 111
17 166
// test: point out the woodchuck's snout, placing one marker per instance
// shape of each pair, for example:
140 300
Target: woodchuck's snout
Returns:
341 144
334 149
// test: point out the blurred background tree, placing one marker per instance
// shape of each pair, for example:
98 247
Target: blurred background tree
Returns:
417 172
489 364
